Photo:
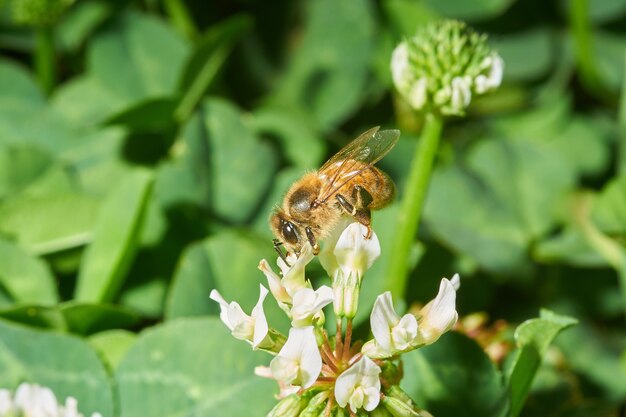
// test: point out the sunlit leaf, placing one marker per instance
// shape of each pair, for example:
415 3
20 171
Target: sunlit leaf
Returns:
192 366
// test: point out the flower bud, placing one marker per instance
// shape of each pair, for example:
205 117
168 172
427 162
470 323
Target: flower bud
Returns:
290 406
380 412
399 408
316 404
440 67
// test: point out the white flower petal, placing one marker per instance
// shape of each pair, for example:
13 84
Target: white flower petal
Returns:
307 303
403 335
418 94
293 275
356 254
439 315
359 386
382 319
6 402
400 66
299 361
260 321
276 287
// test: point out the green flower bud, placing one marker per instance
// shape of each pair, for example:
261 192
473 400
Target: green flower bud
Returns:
290 406
340 412
380 412
316 405
399 408
443 65
397 392
38 12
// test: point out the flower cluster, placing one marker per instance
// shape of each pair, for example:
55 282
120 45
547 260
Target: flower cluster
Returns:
322 375
440 67
32 400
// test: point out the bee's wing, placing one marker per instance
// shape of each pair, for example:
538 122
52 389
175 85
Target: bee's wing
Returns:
354 158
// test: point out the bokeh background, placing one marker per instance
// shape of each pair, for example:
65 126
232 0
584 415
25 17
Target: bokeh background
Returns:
143 145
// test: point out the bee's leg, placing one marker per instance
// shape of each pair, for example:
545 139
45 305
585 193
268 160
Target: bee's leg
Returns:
311 237
360 213
279 250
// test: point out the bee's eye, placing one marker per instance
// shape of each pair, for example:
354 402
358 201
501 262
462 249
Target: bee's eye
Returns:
289 232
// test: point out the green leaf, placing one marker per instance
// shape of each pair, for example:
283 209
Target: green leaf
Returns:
130 40
516 47
20 166
239 171
192 367
86 319
152 115
227 262
42 224
45 317
112 345
80 22
18 87
65 364
107 259
490 206
27 279
533 338
340 35
302 146
472 11
207 60
133 40
454 367
609 208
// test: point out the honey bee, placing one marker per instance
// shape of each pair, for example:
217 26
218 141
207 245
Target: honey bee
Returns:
348 184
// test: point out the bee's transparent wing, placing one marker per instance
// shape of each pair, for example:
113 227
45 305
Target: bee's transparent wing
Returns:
354 158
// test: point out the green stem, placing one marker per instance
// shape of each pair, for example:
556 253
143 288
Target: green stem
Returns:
45 58
621 122
181 20
582 33
412 204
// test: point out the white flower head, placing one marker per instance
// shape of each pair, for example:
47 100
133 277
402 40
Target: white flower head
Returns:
439 315
359 386
299 361
6 402
252 328
308 303
392 334
35 400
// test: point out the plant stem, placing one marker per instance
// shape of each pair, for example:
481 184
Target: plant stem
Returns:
582 34
621 122
45 59
412 204
181 19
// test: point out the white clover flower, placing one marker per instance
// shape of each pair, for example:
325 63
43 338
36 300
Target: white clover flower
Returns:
439 315
32 400
359 386
35 400
252 328
277 288
6 402
443 66
308 303
352 255
299 361
394 335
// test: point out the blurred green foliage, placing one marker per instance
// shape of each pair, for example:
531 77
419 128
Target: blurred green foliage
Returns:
143 145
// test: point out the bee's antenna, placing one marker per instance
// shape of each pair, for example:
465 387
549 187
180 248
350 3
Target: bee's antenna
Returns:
279 250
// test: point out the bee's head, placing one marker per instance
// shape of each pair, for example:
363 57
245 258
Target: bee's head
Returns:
287 231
